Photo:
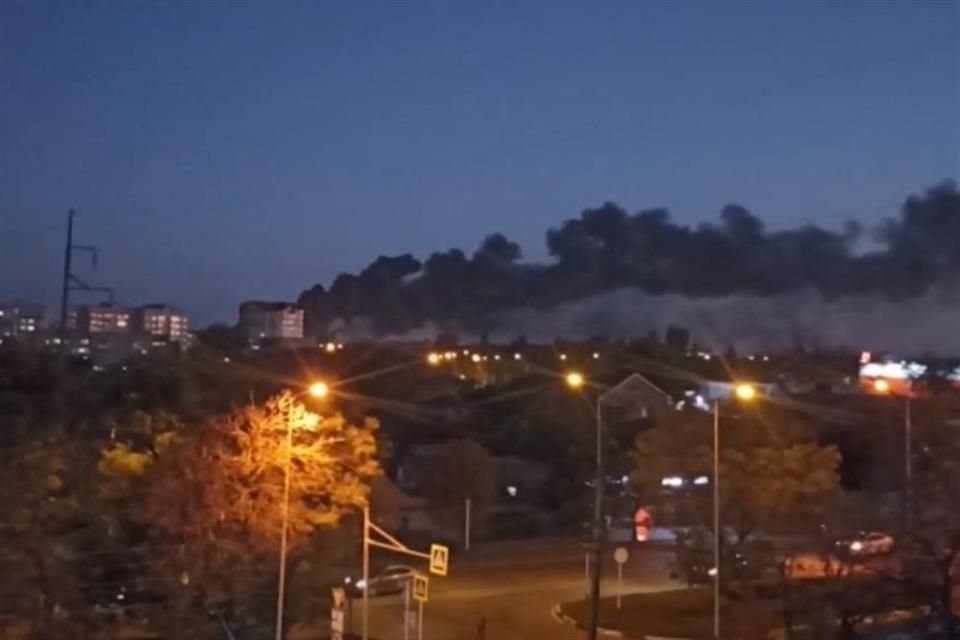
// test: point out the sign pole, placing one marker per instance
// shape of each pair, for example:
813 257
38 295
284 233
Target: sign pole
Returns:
365 618
406 611
619 583
586 570
420 621
439 558
621 555
466 525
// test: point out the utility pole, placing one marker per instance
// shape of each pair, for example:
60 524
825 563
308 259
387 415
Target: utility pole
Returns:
908 464
65 291
70 280
716 518
598 528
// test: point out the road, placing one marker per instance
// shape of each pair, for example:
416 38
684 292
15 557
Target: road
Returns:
513 589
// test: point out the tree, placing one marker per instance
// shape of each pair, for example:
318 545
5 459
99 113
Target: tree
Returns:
453 472
929 546
43 520
222 338
773 476
214 495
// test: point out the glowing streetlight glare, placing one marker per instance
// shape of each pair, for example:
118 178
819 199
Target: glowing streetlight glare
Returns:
476 357
331 347
563 356
881 386
746 391
517 356
433 358
319 389
574 380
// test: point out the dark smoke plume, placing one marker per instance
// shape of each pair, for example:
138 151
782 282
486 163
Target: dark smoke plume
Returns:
607 249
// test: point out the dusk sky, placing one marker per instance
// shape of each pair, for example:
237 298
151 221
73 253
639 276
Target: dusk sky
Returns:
218 152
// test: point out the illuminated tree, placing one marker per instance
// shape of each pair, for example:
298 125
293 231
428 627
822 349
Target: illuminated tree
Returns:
214 503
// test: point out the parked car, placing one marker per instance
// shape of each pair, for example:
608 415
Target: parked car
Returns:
867 544
389 580
754 562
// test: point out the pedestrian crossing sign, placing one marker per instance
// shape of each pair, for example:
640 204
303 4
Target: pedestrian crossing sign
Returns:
439 556
421 586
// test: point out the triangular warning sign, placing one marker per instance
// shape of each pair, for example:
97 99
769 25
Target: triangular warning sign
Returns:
439 557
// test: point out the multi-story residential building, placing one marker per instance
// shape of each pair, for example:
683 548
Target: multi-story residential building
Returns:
105 333
109 334
271 321
22 319
104 319
162 322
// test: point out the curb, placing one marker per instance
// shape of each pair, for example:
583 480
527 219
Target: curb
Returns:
556 611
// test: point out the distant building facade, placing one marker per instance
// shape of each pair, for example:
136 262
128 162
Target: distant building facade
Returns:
162 322
271 321
104 320
109 334
22 320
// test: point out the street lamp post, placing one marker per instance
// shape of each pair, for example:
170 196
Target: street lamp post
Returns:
882 387
908 465
716 518
317 390
282 575
576 381
598 491
745 392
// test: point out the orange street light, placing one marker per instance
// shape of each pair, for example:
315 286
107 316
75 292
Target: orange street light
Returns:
746 391
433 358
318 389
881 386
575 380
300 418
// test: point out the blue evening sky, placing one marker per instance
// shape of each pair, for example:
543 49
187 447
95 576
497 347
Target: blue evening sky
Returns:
224 151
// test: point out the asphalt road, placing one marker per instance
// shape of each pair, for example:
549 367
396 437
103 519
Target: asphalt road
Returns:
513 588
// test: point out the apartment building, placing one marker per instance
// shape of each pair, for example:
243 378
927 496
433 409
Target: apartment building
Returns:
271 321
162 322
21 319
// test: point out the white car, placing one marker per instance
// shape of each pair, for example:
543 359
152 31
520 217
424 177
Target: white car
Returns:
868 544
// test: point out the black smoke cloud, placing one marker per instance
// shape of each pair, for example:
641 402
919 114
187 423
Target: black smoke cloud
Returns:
608 249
